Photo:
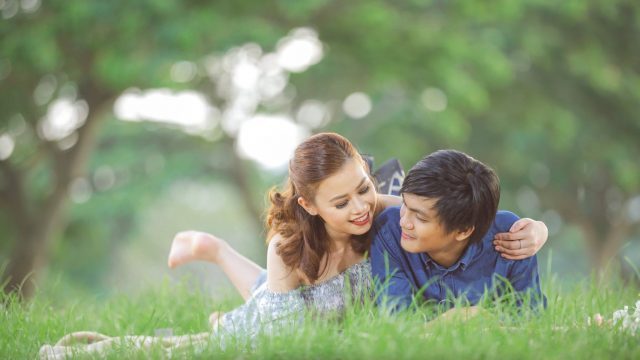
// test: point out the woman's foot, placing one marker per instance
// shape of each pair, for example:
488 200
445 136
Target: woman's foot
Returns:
194 245
214 319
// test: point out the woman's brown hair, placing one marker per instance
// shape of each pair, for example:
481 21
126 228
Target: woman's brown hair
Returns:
305 240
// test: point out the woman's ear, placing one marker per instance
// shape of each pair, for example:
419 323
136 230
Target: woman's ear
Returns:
307 206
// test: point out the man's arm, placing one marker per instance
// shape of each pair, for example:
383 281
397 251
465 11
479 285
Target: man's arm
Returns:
525 280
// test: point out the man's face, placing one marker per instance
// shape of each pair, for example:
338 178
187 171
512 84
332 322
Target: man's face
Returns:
421 227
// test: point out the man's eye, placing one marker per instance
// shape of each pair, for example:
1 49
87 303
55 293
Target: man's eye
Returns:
342 205
364 190
421 220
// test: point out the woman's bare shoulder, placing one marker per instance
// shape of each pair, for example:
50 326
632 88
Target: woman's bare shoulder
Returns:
280 277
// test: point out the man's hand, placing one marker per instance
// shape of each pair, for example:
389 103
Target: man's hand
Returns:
524 239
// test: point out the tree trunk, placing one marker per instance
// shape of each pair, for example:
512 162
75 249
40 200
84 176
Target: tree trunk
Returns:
38 229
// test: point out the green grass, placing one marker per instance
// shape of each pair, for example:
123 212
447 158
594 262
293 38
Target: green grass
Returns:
559 332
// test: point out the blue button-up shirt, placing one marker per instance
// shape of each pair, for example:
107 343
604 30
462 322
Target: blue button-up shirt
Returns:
403 275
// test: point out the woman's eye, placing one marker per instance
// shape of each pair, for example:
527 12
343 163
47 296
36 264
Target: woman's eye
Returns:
421 220
364 190
341 205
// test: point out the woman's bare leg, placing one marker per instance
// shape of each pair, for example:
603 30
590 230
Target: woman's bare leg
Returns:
104 344
189 246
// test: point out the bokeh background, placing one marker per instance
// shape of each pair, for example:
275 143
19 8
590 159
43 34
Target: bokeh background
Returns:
123 122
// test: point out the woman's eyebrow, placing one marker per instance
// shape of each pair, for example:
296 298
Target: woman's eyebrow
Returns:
345 195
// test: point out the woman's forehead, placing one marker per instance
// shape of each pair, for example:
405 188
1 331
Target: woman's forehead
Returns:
346 180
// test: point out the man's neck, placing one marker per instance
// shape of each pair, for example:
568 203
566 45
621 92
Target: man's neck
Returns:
450 255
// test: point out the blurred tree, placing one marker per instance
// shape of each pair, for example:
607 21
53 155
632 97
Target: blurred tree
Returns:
78 56
545 92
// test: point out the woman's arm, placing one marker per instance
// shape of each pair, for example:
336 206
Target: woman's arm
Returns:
525 238
385 201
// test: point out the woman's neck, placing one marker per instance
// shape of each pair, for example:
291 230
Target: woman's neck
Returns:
338 242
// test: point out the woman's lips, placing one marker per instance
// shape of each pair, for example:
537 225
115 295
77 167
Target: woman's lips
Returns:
362 220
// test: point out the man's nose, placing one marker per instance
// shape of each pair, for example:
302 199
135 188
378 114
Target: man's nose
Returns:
405 224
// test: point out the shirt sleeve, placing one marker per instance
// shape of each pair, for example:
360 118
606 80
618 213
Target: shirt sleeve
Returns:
522 274
394 289
525 280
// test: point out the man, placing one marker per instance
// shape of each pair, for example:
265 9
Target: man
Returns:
439 244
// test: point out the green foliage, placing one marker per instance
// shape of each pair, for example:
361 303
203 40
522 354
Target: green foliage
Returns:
525 82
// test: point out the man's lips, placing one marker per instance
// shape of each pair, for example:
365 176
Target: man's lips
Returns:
406 236
362 220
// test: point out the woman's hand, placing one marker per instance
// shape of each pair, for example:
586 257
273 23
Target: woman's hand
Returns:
525 238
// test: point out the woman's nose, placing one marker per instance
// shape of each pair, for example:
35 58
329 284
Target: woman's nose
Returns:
359 205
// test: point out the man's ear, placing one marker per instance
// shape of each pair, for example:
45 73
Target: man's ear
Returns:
462 235
307 206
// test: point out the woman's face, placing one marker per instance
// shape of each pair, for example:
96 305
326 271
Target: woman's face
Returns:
346 201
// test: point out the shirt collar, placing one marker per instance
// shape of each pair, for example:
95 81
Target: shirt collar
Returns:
467 258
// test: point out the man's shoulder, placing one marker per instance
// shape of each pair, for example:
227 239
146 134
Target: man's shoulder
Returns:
388 216
503 221
386 228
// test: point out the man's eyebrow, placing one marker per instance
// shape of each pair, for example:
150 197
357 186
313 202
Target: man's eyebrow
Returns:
417 211
345 195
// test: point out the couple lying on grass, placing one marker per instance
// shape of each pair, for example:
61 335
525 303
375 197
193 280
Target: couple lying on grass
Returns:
442 239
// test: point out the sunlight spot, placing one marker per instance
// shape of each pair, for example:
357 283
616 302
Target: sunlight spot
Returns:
434 99
298 51
553 220
633 209
313 113
10 9
30 6
68 141
539 174
188 109
6 146
45 90
104 178
269 140
63 117
68 90
183 71
528 201
245 75
357 105
80 190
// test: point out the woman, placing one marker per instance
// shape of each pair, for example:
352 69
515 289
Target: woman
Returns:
318 237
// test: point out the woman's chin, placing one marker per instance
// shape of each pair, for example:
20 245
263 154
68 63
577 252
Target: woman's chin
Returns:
361 230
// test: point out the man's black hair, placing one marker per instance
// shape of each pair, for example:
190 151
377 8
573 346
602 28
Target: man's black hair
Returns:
467 191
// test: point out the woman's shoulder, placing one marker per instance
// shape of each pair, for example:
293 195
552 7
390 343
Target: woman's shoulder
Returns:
385 201
280 277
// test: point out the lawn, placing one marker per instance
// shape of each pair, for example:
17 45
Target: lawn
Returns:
559 332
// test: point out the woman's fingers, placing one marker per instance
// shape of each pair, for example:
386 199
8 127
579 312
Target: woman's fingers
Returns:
524 240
